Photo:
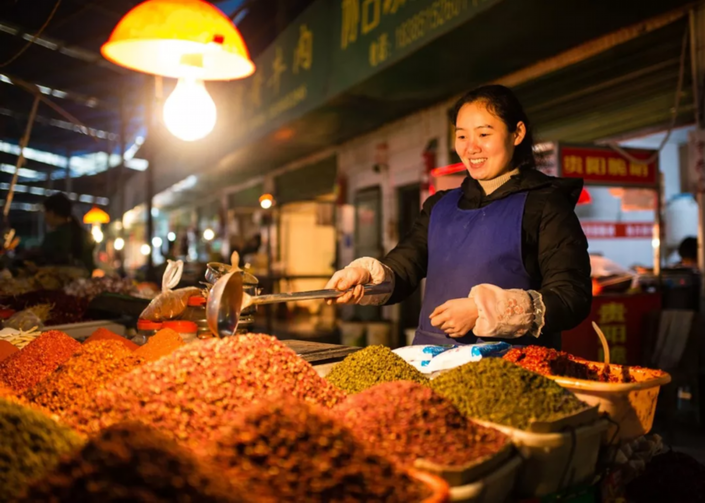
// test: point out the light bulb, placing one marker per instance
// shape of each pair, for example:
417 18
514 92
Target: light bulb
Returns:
157 242
189 112
145 249
171 236
208 234
119 244
97 234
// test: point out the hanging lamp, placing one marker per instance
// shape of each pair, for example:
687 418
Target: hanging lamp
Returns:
179 39
96 216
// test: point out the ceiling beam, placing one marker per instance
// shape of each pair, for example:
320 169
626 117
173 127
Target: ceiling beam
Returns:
83 99
65 125
52 44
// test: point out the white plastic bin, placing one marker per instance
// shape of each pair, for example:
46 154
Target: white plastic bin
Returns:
494 488
555 461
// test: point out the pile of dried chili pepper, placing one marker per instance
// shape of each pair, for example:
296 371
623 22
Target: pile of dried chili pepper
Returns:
288 450
193 391
407 421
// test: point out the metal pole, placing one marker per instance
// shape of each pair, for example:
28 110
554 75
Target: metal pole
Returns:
123 148
149 173
20 158
67 179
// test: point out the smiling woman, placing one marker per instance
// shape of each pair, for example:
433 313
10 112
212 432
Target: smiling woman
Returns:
504 256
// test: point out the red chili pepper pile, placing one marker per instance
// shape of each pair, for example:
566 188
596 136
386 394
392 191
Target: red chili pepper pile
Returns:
288 450
37 360
132 462
407 421
76 381
103 334
193 391
6 350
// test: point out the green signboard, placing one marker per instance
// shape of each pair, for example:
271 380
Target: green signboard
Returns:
333 46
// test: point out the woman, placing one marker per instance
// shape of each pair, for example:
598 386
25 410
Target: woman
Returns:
504 256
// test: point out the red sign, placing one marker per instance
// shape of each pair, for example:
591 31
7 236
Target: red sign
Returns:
601 164
618 230
622 319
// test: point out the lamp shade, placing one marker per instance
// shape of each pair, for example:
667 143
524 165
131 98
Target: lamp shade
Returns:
179 38
96 216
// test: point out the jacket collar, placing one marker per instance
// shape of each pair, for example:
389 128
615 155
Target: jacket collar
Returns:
526 180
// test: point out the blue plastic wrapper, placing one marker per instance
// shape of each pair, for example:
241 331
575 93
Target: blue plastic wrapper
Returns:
429 359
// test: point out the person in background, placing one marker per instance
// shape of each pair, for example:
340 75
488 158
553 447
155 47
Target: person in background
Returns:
504 255
66 242
688 251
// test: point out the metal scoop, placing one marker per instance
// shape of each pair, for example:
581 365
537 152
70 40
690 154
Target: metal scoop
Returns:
227 300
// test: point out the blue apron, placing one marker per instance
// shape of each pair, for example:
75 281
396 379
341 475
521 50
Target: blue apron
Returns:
467 248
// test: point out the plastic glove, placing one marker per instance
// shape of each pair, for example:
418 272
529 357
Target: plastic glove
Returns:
455 317
507 313
358 273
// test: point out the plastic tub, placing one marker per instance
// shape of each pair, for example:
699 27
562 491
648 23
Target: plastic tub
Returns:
145 330
631 405
555 461
494 488
85 329
188 330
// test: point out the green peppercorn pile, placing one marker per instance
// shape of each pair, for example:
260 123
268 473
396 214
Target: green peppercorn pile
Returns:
288 450
406 421
132 462
370 366
499 391
193 391
30 445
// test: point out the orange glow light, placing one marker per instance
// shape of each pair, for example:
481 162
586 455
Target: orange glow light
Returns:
585 197
179 38
448 170
96 216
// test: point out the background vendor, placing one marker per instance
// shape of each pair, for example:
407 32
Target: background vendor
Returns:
504 255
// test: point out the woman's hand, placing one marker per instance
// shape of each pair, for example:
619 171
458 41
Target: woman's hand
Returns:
348 278
455 317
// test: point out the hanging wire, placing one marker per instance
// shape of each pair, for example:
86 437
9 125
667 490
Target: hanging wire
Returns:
674 113
35 37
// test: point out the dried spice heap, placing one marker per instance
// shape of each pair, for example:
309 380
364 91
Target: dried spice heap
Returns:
37 360
546 361
161 344
373 365
103 334
193 391
6 350
30 445
77 380
291 451
407 421
496 390
673 476
64 308
132 462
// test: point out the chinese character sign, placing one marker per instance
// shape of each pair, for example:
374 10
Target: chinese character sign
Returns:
619 230
603 164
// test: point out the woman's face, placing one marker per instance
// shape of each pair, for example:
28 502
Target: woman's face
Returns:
484 143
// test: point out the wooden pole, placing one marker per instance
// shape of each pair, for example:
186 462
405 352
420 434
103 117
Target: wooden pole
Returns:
20 158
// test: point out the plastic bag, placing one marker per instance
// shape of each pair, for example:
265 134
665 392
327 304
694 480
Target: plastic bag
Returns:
464 354
420 356
170 303
24 320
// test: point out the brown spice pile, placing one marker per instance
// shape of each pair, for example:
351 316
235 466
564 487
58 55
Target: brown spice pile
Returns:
132 462
406 421
289 450
6 350
77 380
161 344
37 360
194 391
103 334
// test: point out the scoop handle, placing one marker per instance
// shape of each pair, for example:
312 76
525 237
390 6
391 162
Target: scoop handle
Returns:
276 298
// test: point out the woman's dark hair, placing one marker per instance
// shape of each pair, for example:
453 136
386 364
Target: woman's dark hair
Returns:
58 204
502 102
